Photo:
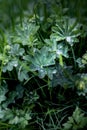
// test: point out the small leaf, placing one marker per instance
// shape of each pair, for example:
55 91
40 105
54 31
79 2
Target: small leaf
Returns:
15 120
9 66
16 50
2 113
22 74
3 91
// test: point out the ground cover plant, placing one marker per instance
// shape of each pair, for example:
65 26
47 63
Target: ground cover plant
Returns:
43 65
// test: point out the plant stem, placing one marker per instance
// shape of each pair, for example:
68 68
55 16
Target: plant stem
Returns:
61 60
74 58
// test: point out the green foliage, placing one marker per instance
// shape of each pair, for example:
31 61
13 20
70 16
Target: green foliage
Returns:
84 59
76 121
43 67
57 49
3 91
81 84
82 62
63 77
16 50
41 61
67 29
15 116
25 34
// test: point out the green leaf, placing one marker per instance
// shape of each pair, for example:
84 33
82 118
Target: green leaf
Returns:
13 96
41 60
84 59
9 66
58 48
8 114
23 122
22 74
17 117
81 84
68 29
62 50
76 121
82 62
15 120
16 50
2 113
30 98
3 91
26 34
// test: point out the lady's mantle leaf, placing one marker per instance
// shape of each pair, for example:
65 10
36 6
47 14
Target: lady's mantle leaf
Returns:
67 29
16 50
26 34
41 60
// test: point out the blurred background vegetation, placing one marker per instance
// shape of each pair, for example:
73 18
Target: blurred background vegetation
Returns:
10 9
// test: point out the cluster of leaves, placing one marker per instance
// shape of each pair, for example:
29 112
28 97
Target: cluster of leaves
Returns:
14 115
76 121
41 67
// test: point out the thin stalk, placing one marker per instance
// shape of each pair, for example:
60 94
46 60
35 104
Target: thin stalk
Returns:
20 6
61 60
3 54
74 58
41 88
